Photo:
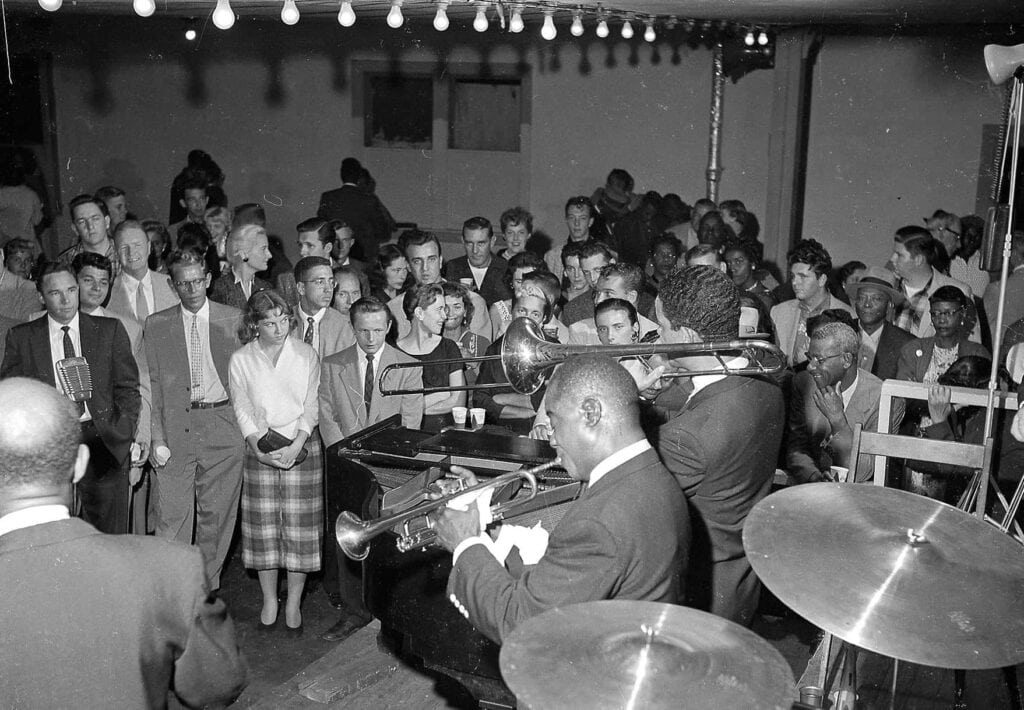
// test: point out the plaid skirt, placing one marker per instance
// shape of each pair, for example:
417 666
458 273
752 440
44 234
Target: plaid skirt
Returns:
282 512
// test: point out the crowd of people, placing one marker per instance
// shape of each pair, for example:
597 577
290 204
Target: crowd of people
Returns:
220 373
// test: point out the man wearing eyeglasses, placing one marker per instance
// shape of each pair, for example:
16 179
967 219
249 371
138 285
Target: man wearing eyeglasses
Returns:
828 400
91 221
323 328
197 446
880 340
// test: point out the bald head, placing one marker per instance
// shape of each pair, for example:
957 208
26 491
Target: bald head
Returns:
593 376
39 436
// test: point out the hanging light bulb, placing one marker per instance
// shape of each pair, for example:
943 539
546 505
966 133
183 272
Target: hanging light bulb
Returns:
516 23
749 39
576 29
289 13
441 22
190 34
346 15
480 22
602 28
223 15
144 8
395 18
762 38
547 30
51 5
627 30
649 32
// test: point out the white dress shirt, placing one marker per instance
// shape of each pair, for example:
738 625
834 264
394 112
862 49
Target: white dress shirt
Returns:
304 323
361 361
57 351
36 515
132 286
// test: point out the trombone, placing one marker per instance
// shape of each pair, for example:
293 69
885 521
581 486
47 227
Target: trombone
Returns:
526 358
354 534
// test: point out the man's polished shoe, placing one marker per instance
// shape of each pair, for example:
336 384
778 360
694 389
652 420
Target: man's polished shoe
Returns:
347 626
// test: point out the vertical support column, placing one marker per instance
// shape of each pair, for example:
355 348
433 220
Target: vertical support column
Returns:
795 53
714 171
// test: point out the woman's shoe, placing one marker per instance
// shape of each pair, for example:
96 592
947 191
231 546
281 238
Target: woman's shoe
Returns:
265 628
294 632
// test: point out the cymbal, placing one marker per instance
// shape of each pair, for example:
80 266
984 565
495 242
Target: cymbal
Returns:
893 572
608 655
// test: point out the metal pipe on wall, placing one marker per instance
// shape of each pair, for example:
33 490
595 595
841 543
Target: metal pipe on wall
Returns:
714 171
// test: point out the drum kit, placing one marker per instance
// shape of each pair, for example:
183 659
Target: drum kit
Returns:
881 569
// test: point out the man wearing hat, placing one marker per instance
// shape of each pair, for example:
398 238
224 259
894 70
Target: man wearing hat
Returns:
880 340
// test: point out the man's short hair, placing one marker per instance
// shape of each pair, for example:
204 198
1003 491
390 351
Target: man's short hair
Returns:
516 215
307 264
96 261
733 206
571 251
631 274
846 337
579 201
39 435
700 250
547 282
80 200
918 241
595 376
812 253
416 238
620 178
593 248
667 238
617 304
194 182
128 224
475 223
368 305
19 245
831 315
351 169
186 257
321 226
703 299
109 192
53 267
348 270
249 213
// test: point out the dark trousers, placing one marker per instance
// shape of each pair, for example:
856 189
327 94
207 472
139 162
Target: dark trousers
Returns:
351 487
103 491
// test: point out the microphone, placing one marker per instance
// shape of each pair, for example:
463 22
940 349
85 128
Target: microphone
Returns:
75 378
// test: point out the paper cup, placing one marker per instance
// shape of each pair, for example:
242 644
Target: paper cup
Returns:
459 415
476 414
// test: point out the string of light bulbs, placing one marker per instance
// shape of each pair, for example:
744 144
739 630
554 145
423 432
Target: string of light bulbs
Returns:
223 17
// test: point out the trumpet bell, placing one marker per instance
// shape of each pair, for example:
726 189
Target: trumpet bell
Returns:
1002 62
350 532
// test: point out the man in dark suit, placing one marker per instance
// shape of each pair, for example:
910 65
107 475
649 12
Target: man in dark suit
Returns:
480 268
350 400
196 450
880 341
625 537
358 208
721 446
93 620
108 419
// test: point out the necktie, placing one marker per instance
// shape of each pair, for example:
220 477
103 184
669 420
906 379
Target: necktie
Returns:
368 383
141 307
308 337
69 351
195 348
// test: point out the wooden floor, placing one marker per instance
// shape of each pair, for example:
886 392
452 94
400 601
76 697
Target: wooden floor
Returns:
357 674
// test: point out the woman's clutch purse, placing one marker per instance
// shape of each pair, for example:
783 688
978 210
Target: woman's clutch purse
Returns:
274 440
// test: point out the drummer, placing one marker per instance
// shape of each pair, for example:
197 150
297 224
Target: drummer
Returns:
625 537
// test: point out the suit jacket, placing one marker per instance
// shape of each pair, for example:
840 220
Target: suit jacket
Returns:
336 333
363 212
887 356
5 325
115 402
342 411
132 615
808 427
1013 311
124 303
917 354
492 288
625 537
786 317
225 291
169 373
722 448
19 298
290 292
134 330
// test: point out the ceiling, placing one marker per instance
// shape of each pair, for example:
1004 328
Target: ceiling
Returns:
899 14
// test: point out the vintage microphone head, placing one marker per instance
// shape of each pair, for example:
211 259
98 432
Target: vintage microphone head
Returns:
75 378
1002 62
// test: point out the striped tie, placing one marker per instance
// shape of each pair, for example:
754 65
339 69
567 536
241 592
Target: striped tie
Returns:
195 348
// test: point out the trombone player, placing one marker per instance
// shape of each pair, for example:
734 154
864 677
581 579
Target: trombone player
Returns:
627 535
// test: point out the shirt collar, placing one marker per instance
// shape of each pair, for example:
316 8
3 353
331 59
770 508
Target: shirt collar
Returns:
203 313
847 394
617 459
133 282
317 317
702 381
36 515
55 327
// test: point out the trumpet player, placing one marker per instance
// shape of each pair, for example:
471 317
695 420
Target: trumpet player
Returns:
625 537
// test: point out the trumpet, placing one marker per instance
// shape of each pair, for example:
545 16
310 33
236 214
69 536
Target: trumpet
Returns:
526 358
354 534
